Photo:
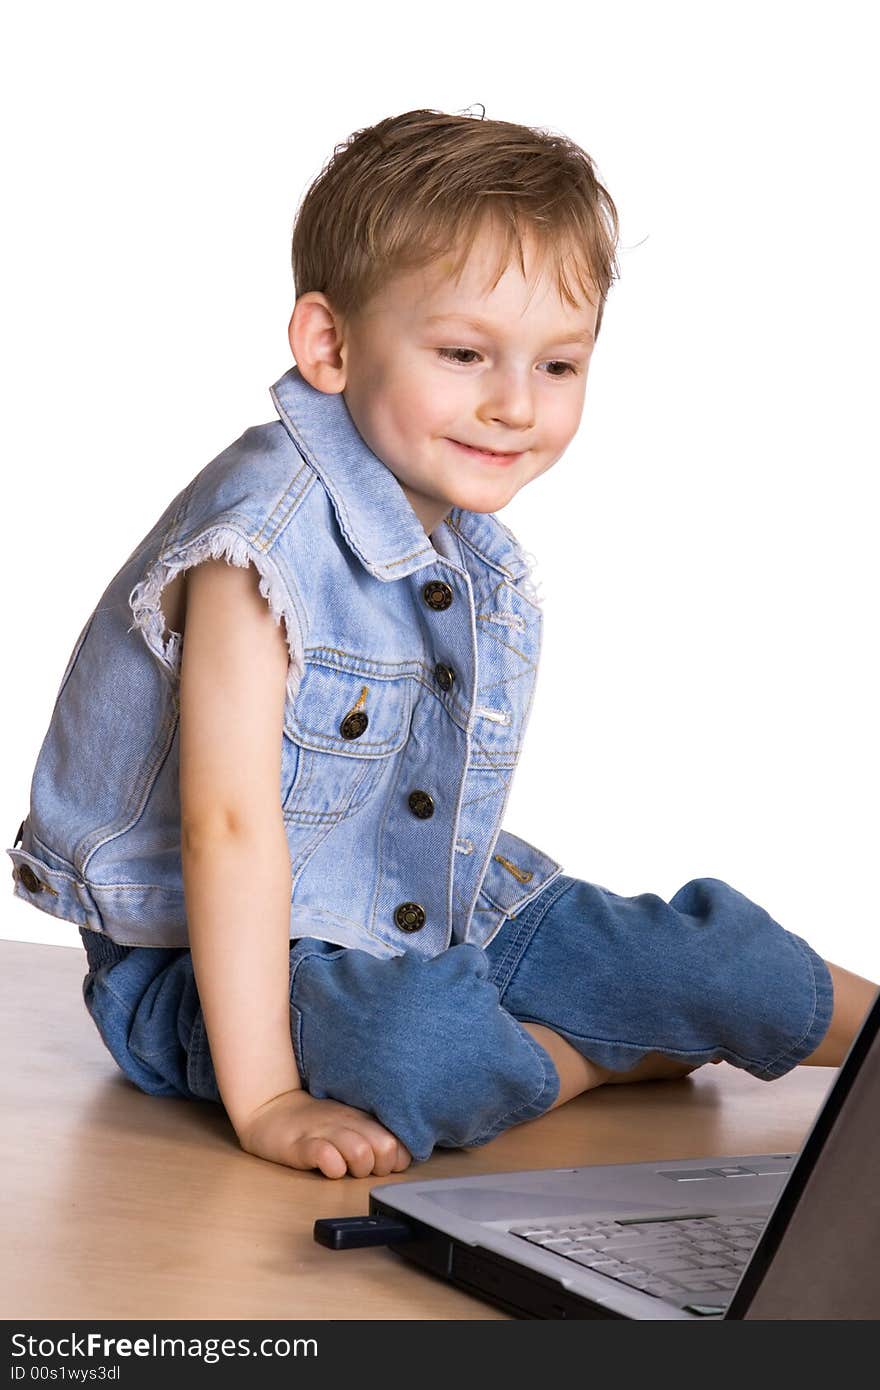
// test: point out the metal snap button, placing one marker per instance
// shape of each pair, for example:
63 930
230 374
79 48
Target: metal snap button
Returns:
410 916
421 805
445 676
29 879
353 724
437 595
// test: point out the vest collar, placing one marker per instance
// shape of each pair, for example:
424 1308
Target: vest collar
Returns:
371 507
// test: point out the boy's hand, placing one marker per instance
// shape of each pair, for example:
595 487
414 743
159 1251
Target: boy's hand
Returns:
302 1132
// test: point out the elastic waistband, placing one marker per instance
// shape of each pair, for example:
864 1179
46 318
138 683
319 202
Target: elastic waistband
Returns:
100 950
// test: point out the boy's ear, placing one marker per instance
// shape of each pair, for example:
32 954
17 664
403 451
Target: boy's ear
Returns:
316 342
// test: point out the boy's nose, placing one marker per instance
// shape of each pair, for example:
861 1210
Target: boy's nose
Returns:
508 401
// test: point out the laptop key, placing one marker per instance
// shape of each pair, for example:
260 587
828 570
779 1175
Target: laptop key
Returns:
693 1278
665 1266
655 1228
655 1259
635 1280
661 1289
638 1253
659 1253
597 1262
689 1277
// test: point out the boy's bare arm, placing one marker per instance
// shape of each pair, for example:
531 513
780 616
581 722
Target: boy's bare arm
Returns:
237 881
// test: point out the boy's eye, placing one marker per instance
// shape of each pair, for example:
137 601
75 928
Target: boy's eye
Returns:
464 355
567 368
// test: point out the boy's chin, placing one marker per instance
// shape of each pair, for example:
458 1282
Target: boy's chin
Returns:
484 499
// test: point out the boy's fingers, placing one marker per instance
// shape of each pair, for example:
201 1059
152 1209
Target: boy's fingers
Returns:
389 1154
356 1150
320 1153
362 1147
386 1156
385 1146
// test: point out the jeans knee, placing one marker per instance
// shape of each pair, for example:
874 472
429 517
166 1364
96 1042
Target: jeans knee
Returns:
143 1007
425 1046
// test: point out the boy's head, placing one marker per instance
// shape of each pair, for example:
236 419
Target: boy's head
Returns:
451 274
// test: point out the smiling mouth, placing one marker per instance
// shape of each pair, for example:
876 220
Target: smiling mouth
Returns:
491 455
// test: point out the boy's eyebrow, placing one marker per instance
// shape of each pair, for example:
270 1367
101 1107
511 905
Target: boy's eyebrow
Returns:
482 327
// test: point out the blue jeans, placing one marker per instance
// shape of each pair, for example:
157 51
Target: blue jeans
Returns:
435 1049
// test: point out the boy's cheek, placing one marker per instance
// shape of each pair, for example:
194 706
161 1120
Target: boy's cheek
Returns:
559 442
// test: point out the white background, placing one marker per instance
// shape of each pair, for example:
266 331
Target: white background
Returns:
707 547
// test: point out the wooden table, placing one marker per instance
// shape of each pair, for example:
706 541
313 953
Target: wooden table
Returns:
123 1205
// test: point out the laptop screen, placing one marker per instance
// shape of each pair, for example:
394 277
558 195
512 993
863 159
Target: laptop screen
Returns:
817 1257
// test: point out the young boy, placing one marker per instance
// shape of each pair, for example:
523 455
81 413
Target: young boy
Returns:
366 965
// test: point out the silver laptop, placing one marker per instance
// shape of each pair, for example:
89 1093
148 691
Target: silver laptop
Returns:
769 1236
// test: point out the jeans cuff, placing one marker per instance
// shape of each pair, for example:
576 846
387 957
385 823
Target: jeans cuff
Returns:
819 1021
540 1102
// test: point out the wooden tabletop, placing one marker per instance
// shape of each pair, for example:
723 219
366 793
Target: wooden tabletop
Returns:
123 1205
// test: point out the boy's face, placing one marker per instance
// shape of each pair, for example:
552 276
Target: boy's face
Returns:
438 372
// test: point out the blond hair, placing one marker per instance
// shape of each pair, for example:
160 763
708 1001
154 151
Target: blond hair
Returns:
396 195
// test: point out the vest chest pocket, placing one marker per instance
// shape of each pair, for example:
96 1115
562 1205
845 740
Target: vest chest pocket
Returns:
339 736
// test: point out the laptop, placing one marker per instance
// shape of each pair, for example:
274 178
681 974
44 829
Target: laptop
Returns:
761 1236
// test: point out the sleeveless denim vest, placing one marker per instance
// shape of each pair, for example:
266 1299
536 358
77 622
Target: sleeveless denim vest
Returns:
412 670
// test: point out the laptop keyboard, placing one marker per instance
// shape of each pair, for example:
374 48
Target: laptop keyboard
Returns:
694 1262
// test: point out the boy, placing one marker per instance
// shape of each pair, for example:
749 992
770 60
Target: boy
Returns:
368 965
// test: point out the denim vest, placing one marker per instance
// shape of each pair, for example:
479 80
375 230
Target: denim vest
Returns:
412 669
